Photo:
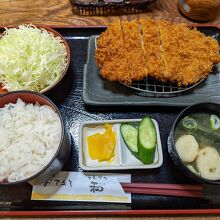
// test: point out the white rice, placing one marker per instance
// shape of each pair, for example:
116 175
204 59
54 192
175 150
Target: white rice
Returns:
29 137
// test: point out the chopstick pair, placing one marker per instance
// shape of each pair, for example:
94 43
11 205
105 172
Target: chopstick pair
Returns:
181 190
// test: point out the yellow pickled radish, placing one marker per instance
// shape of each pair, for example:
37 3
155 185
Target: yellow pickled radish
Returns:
102 146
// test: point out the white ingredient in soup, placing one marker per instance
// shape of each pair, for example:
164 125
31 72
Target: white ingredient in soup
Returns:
208 163
30 135
187 148
203 161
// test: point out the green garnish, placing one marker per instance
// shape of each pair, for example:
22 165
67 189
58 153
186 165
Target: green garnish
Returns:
214 122
189 123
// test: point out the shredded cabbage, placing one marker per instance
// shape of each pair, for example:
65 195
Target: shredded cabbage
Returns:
30 58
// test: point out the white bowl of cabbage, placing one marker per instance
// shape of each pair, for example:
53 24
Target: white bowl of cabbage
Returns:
32 58
194 142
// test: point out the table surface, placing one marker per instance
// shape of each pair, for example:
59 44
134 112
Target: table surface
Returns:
60 13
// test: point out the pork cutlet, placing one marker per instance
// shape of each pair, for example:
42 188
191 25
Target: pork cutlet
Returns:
134 52
151 46
111 55
187 53
130 51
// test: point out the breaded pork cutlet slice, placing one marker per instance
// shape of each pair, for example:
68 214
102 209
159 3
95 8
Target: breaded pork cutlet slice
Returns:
200 45
167 47
111 55
152 49
134 51
188 54
197 52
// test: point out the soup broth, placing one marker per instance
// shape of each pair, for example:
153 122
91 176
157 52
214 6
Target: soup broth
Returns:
197 141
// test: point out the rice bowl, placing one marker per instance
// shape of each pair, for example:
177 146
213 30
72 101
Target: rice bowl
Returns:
34 141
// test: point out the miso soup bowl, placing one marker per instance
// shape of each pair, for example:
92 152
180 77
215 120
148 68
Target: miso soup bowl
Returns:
63 147
212 108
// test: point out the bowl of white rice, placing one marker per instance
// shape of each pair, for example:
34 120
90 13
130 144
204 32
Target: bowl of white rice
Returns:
34 142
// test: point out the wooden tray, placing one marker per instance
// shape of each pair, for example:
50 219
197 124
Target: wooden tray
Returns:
15 201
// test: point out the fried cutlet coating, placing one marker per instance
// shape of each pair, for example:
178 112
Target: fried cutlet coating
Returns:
187 53
215 59
116 71
134 52
109 43
151 42
111 56
129 51
165 47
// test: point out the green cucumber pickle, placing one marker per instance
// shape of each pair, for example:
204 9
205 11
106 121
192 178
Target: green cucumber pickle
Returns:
129 134
147 140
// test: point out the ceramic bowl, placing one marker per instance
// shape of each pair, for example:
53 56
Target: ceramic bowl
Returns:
63 149
63 74
212 108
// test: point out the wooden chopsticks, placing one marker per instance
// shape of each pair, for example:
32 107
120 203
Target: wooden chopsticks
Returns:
182 190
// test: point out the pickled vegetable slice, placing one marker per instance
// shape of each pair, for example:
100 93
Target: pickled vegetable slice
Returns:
147 140
101 146
129 134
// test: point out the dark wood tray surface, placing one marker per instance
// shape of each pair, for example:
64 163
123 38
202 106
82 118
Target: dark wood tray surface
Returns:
68 97
99 92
